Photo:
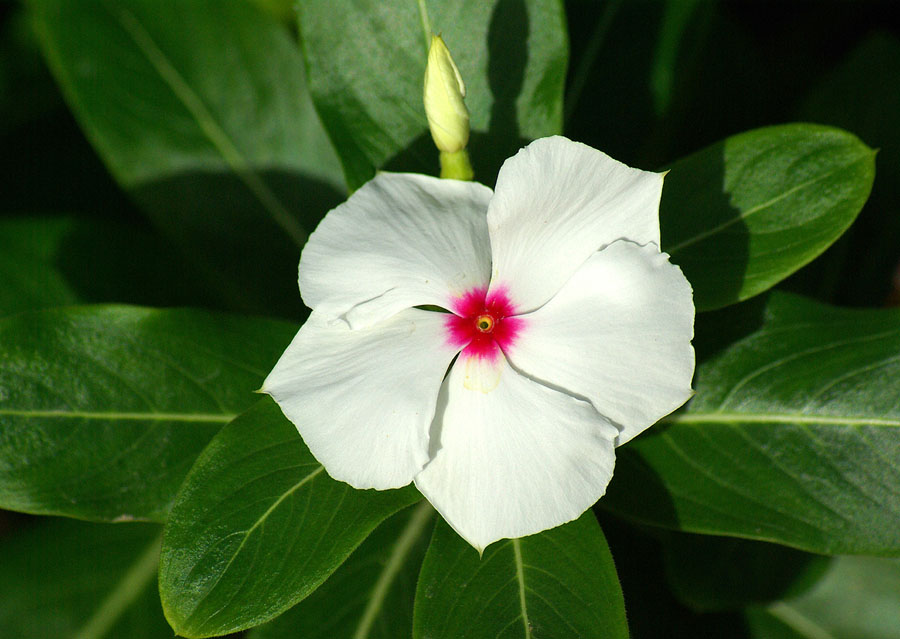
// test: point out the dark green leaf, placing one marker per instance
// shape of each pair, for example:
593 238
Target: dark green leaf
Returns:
63 260
103 409
793 436
856 599
725 573
559 583
258 525
366 65
371 595
743 214
200 110
84 581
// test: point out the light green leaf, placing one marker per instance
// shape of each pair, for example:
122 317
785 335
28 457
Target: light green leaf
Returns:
366 65
103 409
200 111
743 214
371 595
258 525
856 599
559 583
793 436
81 581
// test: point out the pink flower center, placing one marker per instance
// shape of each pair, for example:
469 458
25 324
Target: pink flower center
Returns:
482 325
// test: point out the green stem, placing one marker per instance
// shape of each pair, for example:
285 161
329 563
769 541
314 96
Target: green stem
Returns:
456 165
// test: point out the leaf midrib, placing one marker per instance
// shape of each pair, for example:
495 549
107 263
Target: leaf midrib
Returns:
119 416
715 417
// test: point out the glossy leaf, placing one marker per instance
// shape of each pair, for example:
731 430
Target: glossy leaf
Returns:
793 436
200 111
371 595
63 578
104 409
63 260
558 583
857 598
258 525
745 213
366 65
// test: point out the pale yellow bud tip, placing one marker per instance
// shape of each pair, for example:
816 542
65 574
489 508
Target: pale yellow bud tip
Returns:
448 117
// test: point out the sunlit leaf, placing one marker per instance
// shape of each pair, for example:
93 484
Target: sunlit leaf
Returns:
258 525
558 583
104 409
793 436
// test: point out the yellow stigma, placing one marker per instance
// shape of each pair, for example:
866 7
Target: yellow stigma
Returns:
484 323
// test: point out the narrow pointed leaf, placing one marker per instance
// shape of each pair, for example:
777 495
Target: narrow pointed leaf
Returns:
558 583
258 525
743 214
103 409
793 436
371 595
63 578
199 109
367 66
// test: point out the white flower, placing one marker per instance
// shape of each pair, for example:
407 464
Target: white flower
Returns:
569 334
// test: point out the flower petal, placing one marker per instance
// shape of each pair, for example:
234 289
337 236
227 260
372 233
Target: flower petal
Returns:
513 457
617 334
401 240
363 399
556 202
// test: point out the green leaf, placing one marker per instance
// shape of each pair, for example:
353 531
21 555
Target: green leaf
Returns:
366 64
793 436
725 573
559 583
62 578
371 595
63 260
743 214
200 111
103 409
856 599
258 525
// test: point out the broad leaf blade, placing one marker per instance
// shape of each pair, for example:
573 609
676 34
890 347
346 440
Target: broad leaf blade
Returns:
711 573
856 598
793 436
371 595
258 525
47 262
103 409
74 579
743 214
559 583
366 63
200 111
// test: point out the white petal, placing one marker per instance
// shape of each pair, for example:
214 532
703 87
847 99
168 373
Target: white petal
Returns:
556 202
401 240
363 399
513 460
617 334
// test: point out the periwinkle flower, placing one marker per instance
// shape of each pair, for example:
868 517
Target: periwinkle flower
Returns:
567 333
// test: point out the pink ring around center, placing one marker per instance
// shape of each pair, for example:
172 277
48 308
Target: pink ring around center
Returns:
483 324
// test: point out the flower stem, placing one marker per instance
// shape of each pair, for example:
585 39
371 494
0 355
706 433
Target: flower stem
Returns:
456 165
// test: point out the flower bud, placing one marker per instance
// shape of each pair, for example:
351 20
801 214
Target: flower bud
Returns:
448 117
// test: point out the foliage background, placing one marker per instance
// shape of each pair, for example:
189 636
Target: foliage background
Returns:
647 82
